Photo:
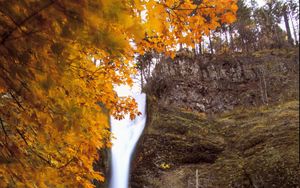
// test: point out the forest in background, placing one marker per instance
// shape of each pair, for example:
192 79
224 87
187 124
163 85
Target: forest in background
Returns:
272 25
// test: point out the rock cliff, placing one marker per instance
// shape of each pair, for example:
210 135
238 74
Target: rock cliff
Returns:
219 83
231 122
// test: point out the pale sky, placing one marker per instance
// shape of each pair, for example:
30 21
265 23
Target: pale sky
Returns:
260 2
282 25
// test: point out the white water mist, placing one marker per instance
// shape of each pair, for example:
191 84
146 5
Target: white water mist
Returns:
126 133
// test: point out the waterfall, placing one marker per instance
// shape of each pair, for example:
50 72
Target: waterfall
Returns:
126 133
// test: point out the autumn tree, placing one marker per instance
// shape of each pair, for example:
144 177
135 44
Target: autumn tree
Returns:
170 23
50 88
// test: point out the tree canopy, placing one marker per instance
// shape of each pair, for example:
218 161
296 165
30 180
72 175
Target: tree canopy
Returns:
54 99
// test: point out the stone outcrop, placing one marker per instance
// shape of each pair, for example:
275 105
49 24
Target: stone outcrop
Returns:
236 136
217 84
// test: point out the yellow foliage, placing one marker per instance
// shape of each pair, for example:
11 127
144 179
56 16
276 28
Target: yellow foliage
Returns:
54 101
165 166
171 22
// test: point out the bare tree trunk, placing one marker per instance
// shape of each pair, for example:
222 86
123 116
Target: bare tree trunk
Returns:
210 44
294 30
203 47
149 71
278 39
197 179
180 46
287 26
231 38
200 46
226 37
142 78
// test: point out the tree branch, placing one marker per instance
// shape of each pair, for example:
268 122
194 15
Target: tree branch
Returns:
32 150
7 34
16 100
16 24
2 125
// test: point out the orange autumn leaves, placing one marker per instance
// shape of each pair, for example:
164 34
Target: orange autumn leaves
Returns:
54 101
171 22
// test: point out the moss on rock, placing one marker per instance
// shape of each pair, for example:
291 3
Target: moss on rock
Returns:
257 147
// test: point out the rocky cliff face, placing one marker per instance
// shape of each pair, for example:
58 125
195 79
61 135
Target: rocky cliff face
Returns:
232 123
217 84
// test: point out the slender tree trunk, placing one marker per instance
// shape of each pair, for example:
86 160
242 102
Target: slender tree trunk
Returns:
278 39
200 47
203 48
231 38
149 71
210 44
142 78
287 26
227 41
197 179
294 30
195 50
226 37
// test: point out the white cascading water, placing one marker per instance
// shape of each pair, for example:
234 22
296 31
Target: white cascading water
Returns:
126 133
